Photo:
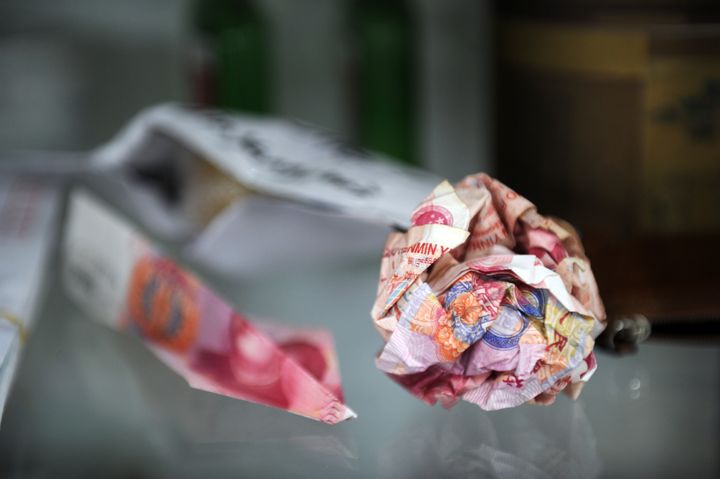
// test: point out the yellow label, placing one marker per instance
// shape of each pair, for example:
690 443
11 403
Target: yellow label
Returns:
681 162
612 52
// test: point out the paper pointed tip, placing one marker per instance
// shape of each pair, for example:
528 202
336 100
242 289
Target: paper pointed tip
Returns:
291 369
349 414
335 413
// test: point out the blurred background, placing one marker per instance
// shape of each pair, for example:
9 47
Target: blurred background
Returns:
605 113
407 77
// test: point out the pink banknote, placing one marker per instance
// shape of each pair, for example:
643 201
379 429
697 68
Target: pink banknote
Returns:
485 300
125 282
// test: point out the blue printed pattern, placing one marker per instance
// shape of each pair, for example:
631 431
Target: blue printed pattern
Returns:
531 301
456 290
468 333
507 329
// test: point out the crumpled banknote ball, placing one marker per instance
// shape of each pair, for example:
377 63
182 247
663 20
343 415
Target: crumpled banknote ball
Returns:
484 299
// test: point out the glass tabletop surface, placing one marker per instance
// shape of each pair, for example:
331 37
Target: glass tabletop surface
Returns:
90 402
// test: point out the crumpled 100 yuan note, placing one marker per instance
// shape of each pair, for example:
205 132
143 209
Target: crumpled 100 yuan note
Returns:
485 300
120 279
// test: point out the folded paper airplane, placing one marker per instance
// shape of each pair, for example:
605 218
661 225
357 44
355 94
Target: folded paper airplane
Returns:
121 279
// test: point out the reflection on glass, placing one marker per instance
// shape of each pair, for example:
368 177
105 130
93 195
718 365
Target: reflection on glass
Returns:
527 442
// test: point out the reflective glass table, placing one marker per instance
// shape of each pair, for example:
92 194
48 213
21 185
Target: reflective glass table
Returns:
89 402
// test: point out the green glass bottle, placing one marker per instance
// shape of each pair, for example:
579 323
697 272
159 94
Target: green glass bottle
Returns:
384 46
234 70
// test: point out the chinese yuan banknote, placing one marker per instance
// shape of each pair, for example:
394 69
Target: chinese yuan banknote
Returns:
120 279
485 300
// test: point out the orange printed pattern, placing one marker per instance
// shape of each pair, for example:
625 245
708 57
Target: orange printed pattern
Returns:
162 303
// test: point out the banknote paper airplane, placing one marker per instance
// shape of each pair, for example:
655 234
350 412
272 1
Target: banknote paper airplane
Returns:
121 279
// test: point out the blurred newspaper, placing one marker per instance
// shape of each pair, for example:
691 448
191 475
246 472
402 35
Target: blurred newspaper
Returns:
27 216
230 188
